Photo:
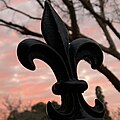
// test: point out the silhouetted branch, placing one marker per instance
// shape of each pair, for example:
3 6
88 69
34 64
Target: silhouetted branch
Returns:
112 78
96 15
40 3
100 21
74 25
21 12
23 30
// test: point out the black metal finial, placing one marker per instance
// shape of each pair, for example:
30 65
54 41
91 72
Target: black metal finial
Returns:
63 58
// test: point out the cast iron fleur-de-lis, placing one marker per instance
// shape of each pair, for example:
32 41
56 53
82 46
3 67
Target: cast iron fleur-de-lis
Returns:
63 58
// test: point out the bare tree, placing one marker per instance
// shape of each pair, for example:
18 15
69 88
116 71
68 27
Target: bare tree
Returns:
13 108
98 9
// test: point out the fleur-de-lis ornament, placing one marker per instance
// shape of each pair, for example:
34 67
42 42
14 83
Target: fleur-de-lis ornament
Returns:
63 58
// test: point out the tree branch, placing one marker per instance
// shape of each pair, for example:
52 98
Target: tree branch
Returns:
103 26
40 3
112 49
18 11
112 78
23 30
74 25
102 11
107 22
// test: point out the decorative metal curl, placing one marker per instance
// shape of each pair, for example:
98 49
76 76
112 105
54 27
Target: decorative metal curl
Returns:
63 58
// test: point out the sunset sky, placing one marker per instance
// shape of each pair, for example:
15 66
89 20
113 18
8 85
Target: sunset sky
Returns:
35 86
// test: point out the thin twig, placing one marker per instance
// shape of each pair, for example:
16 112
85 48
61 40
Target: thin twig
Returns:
40 3
21 12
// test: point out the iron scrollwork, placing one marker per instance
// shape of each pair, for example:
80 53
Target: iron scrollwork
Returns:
63 58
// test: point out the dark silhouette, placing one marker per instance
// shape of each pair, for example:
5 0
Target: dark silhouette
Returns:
63 58
37 112
101 97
